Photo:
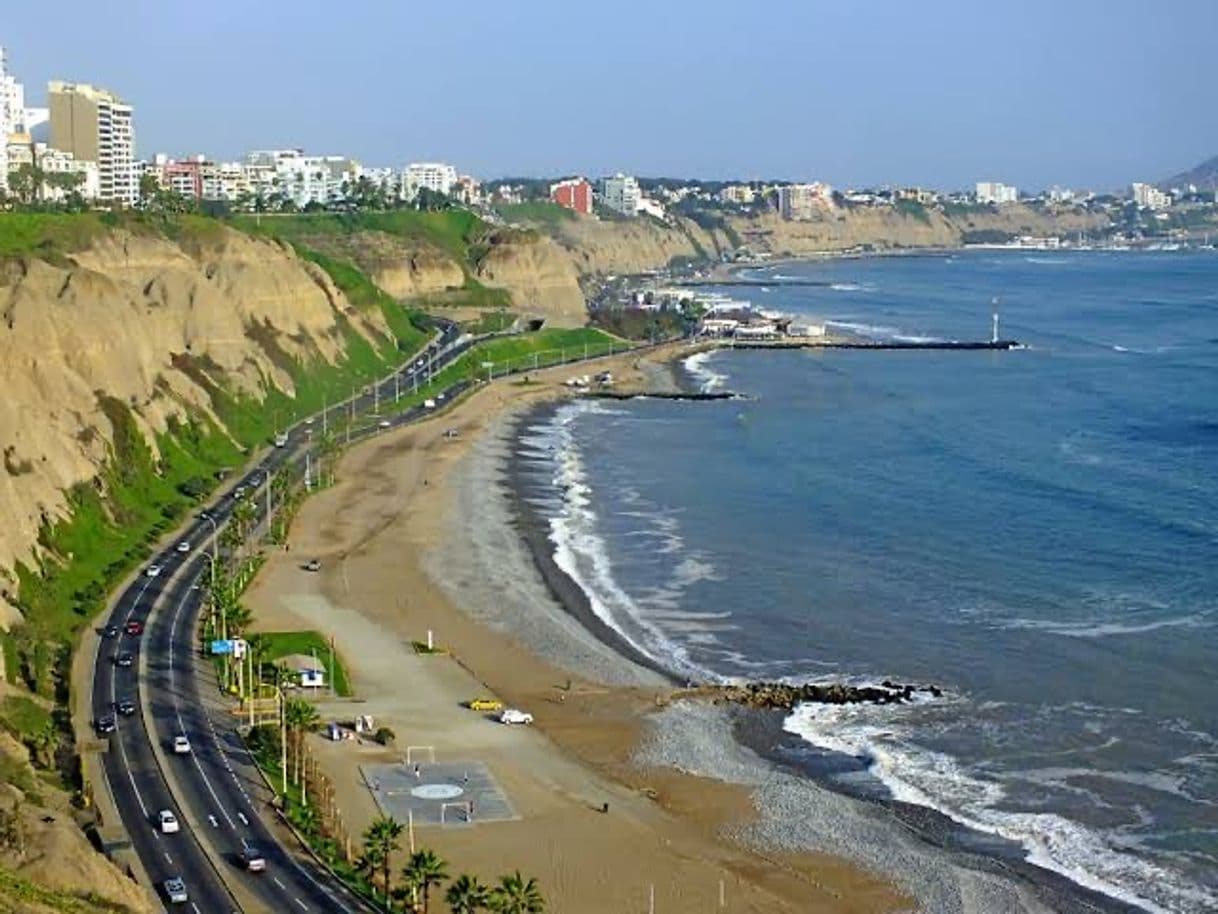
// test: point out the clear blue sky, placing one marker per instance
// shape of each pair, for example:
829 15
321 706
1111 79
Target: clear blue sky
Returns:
1088 93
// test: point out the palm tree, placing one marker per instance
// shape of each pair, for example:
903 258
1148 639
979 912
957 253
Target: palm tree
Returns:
516 895
467 895
423 870
257 645
301 718
380 841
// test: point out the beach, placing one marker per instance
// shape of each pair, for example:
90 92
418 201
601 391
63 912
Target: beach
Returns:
418 535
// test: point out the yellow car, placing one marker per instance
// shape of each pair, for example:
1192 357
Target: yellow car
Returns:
485 704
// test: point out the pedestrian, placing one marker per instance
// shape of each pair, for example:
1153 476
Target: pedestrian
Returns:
471 811
465 779
418 773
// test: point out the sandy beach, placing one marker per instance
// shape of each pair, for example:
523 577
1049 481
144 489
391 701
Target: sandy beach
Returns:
409 544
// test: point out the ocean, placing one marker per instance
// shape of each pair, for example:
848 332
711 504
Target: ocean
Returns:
1034 531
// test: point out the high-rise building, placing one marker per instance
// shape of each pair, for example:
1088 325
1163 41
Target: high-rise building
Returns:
1150 196
95 125
574 194
803 201
16 120
434 176
621 194
996 192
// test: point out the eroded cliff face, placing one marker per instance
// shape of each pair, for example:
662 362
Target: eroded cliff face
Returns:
885 227
540 276
113 321
632 245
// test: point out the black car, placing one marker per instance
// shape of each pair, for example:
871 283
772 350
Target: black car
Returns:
110 631
106 724
124 659
126 707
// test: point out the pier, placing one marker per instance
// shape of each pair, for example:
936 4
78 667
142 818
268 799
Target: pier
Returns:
661 395
950 345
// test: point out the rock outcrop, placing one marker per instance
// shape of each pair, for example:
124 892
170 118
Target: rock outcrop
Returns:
785 696
540 276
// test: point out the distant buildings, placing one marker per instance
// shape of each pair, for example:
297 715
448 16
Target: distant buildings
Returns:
801 202
573 194
737 194
1150 196
434 176
16 120
94 125
621 194
996 192
54 162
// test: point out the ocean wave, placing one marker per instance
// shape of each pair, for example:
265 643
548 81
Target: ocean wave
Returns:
1104 628
920 776
870 330
845 287
581 552
1051 261
698 366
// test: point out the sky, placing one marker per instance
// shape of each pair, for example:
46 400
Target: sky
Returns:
942 93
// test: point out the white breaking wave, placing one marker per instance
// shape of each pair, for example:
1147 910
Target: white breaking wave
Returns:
920 776
580 551
871 330
845 287
698 366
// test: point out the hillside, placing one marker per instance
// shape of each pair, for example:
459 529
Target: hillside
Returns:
638 245
1204 176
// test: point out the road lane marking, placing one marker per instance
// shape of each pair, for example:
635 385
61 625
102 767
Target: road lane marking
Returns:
214 823
303 906
244 820
168 858
279 883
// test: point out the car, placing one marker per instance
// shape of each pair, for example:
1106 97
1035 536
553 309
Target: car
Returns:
485 704
125 707
281 440
124 659
152 571
134 627
110 631
106 724
175 891
384 423
309 421
429 403
181 745
514 716
168 822
312 565
184 546
239 493
440 395
252 858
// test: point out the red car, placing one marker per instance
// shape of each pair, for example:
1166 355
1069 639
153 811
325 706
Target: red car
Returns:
135 627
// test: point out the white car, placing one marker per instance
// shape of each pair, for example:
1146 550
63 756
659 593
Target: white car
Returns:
152 571
183 546
514 716
429 404
175 891
181 745
169 822
384 423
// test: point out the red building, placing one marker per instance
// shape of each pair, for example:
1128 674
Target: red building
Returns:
574 193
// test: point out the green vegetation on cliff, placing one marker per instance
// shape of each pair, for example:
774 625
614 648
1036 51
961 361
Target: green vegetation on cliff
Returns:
20 894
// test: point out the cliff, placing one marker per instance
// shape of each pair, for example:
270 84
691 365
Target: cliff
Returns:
625 246
538 274
156 325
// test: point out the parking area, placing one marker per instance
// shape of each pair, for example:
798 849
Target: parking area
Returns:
452 794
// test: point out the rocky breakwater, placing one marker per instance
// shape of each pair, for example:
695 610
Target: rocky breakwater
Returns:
785 696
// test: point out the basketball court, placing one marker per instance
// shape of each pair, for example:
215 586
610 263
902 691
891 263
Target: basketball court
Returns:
439 794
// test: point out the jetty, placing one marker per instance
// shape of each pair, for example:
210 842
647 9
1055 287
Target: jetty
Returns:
824 343
661 395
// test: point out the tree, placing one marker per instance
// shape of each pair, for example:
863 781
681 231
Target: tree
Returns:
149 188
380 841
516 895
301 718
467 895
423 870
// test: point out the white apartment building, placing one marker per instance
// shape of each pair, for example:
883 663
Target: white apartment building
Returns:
739 194
996 192
434 176
1150 196
95 125
621 194
23 151
803 201
16 120
303 179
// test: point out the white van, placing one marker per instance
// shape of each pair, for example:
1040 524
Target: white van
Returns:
429 403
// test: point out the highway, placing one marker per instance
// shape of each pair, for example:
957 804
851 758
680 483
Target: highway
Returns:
214 791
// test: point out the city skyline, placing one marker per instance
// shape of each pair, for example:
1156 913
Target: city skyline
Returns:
629 100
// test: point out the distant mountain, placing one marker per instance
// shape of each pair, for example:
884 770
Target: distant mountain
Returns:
1205 176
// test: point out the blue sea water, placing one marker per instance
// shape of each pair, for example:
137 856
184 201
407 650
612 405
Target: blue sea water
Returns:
1036 531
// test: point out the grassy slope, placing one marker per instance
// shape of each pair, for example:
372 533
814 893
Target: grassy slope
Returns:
19 894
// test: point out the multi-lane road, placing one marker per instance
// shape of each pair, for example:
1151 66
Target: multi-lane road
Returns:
214 791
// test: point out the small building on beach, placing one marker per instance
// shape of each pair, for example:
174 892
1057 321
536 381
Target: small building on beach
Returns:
309 672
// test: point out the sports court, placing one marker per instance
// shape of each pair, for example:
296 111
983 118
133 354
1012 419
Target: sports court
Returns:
439 794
